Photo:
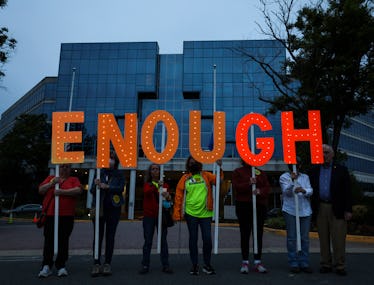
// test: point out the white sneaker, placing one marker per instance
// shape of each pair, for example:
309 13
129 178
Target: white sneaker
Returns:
62 272
244 268
45 272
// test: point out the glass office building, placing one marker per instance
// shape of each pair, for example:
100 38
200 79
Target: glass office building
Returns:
134 77
124 78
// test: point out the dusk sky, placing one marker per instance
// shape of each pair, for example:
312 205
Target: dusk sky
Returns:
40 26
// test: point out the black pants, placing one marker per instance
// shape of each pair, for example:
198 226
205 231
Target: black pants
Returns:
244 213
109 222
65 227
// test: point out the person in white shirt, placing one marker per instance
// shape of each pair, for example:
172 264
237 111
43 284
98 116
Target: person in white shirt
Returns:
297 184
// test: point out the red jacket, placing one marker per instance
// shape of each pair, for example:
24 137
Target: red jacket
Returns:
243 190
67 203
150 200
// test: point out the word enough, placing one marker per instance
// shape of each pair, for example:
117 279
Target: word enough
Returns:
126 146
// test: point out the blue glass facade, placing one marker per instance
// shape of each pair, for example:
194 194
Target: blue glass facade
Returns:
39 100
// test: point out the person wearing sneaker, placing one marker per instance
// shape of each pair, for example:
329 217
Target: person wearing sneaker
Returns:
194 201
69 190
242 181
332 209
111 183
297 184
150 219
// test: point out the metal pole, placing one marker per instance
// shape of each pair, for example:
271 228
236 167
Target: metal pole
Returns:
97 216
255 246
161 189
297 216
57 198
132 194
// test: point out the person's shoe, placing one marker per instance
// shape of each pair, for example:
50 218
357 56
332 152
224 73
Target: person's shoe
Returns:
294 269
209 270
107 269
194 270
167 269
306 269
45 272
260 268
95 270
144 270
244 268
341 272
62 272
325 269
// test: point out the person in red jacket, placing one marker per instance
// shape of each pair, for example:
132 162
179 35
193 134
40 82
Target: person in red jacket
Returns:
69 189
242 181
150 219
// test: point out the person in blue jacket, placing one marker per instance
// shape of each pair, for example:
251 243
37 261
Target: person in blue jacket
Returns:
111 183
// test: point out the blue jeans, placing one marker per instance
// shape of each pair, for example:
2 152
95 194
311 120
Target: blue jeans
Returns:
297 259
107 222
149 226
205 227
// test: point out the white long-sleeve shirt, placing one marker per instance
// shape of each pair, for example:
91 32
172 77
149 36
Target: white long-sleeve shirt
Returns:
288 186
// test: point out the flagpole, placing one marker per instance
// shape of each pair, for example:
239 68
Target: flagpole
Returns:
254 231
97 215
57 174
160 197
216 170
298 237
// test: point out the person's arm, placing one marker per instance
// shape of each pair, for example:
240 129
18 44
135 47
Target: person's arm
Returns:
75 190
178 200
286 184
48 183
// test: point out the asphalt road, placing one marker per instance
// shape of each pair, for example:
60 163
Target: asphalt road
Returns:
21 248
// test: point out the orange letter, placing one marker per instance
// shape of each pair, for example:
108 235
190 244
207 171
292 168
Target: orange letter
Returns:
147 137
313 135
266 144
219 133
125 147
60 137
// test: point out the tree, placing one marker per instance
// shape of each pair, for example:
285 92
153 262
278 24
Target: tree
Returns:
7 44
329 65
25 153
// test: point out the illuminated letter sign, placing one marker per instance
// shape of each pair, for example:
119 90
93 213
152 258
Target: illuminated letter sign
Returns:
60 137
125 147
172 135
219 134
290 136
266 144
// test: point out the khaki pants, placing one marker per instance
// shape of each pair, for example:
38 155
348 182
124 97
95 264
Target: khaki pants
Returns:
331 231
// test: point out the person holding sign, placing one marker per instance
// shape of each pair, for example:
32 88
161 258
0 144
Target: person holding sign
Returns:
332 207
150 219
242 182
194 201
111 183
69 189
297 184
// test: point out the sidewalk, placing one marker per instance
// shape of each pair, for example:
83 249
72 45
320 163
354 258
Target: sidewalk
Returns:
129 239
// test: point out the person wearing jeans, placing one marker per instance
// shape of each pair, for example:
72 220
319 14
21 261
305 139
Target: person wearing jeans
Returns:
242 182
69 190
194 201
111 184
297 184
150 219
